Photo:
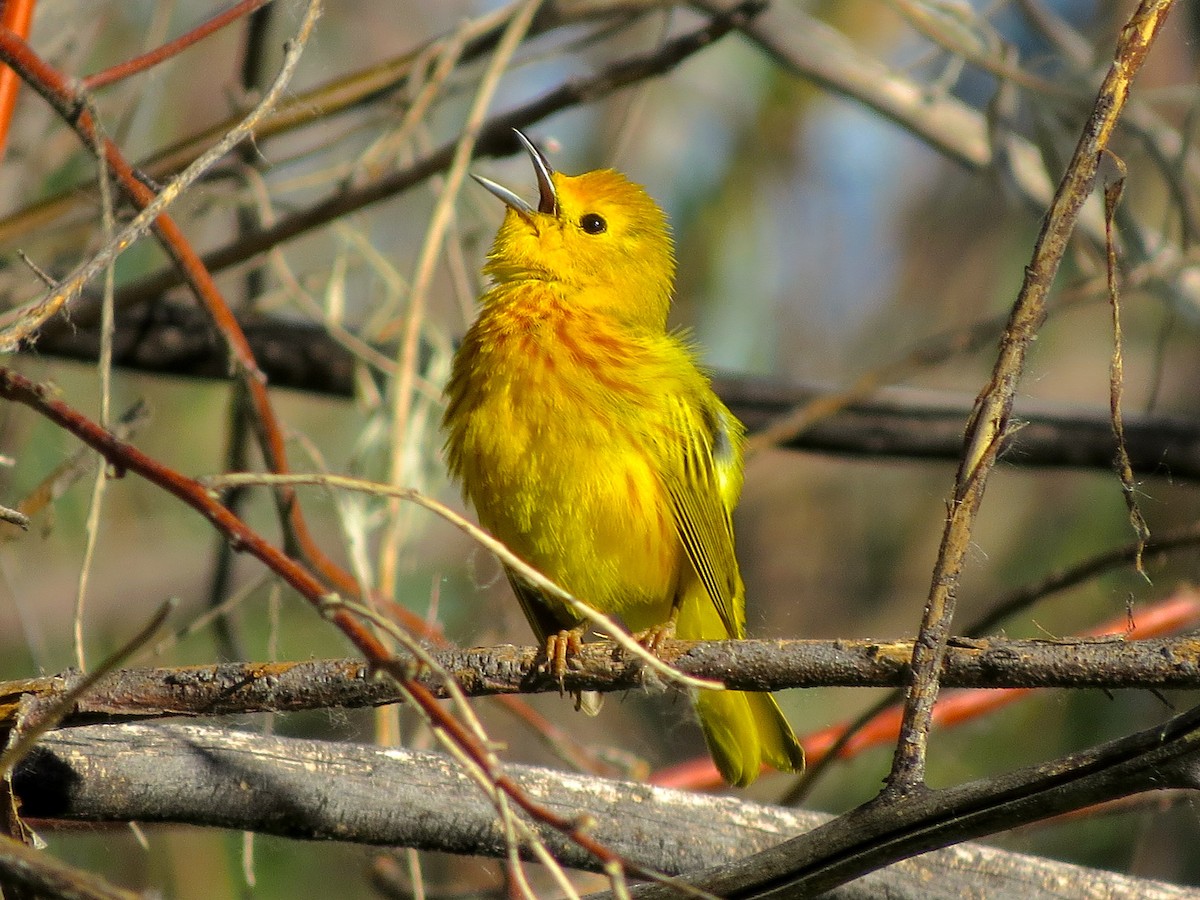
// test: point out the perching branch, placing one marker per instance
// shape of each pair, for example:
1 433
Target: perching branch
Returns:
238 688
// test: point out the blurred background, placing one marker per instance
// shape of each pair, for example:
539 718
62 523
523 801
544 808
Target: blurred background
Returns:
818 239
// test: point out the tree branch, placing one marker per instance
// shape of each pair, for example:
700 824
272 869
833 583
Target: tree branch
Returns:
881 833
907 423
398 797
990 423
237 688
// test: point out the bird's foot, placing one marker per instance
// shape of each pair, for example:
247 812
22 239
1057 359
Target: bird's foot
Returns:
560 649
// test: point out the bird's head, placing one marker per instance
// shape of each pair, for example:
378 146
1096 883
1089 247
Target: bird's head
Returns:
595 233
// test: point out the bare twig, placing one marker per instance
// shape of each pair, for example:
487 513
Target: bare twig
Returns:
989 423
156 56
1112 196
107 327
35 720
431 248
945 26
75 467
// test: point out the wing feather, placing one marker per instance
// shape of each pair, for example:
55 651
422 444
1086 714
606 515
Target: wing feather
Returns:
703 483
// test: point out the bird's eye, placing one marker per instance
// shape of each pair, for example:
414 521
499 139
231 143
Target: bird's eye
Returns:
593 224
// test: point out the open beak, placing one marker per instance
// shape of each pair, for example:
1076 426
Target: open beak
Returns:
547 198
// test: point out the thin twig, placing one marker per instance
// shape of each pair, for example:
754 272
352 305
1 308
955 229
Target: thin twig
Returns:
1116 379
40 497
943 25
104 364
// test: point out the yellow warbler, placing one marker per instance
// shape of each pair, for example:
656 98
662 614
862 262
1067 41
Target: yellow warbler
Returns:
591 444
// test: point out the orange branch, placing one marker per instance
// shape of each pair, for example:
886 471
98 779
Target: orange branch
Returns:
172 48
16 16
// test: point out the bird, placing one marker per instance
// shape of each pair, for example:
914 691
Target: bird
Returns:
590 442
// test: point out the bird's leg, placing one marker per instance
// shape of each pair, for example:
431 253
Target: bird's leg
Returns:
652 638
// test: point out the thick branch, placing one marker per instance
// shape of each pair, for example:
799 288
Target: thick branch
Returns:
234 688
888 829
398 797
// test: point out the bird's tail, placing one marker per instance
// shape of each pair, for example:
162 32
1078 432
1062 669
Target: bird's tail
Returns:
743 730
